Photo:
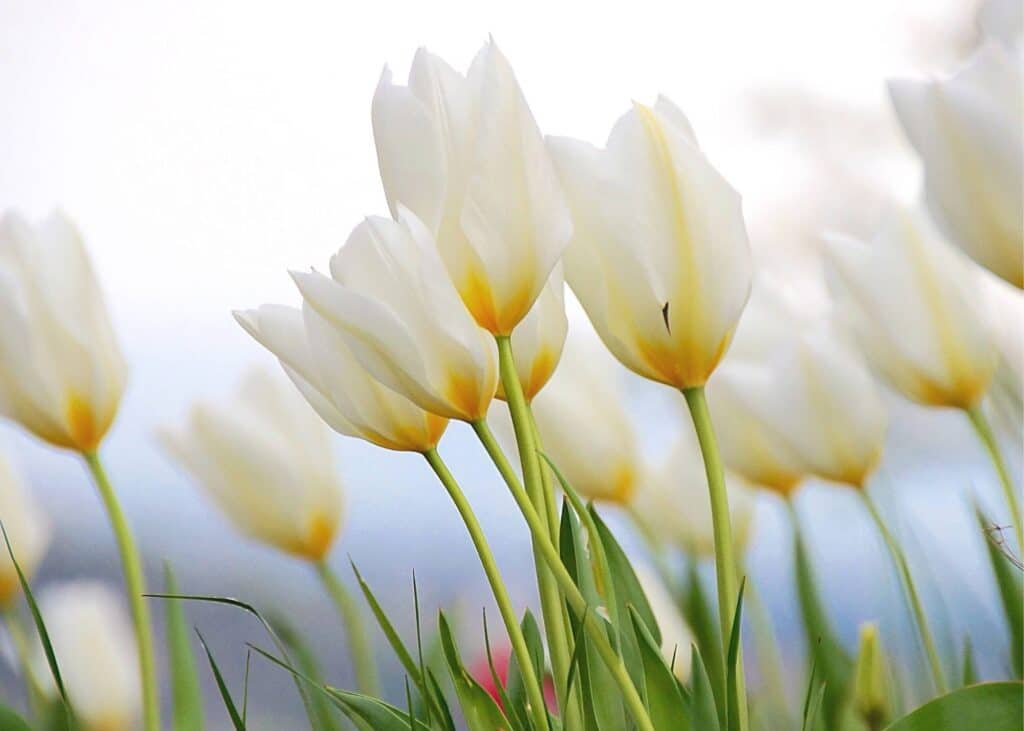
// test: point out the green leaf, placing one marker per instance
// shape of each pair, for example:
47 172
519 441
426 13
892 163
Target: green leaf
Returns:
373 713
988 706
186 694
968 674
665 702
478 707
732 663
1008 579
627 586
702 696
513 699
703 622
225 694
306 662
11 721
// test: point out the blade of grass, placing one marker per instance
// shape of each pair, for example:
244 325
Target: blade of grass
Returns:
186 694
225 694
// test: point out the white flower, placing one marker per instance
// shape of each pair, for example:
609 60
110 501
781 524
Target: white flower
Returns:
390 299
266 461
334 383
61 370
538 340
659 257
96 652
465 155
28 530
915 307
968 131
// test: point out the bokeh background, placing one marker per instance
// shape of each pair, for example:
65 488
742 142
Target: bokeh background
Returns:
205 148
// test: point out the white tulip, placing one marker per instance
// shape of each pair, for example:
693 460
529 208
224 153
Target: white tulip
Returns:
1002 20
465 155
390 299
968 131
538 340
585 428
914 305
266 461
97 655
676 638
28 530
334 383
659 257
673 502
61 370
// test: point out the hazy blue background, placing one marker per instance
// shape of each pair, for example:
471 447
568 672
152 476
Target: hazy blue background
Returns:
205 148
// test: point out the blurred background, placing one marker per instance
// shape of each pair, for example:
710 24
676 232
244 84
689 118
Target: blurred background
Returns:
205 148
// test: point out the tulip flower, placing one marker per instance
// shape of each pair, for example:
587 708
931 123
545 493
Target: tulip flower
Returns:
659 257
968 131
538 340
390 299
584 426
335 384
97 656
61 370
912 303
804 405
465 155
676 638
672 503
27 527
265 459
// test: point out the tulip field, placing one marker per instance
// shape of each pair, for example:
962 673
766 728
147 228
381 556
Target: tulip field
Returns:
451 306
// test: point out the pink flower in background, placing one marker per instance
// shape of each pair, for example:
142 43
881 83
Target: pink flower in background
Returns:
480 669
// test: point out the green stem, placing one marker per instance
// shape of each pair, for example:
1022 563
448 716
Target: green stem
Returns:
360 646
550 602
899 559
988 439
33 694
594 627
508 614
135 583
548 488
725 561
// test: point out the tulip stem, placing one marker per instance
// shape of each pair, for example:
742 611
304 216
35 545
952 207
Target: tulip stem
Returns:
595 628
508 614
135 583
988 439
360 646
542 497
899 559
725 561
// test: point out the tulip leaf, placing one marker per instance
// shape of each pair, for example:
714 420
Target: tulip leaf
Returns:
968 673
225 694
1008 579
306 662
479 709
186 694
665 702
732 685
702 697
374 714
10 720
513 699
703 622
988 706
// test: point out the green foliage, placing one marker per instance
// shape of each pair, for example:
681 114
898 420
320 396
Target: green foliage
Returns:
988 706
229 703
702 696
1008 579
479 709
703 623
662 694
306 662
10 720
186 695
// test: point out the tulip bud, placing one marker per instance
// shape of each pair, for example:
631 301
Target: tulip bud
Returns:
61 370
95 648
870 681
968 131
913 303
659 257
390 299
266 461
28 530
465 155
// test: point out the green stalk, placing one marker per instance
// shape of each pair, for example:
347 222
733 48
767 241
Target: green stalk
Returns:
725 561
360 646
508 613
988 439
594 627
547 487
34 695
135 583
550 602
899 559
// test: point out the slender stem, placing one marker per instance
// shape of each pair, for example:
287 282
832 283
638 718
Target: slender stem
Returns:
899 559
988 439
508 613
725 561
135 583
33 694
360 646
548 489
594 627
550 602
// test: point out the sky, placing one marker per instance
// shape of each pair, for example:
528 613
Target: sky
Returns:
205 148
